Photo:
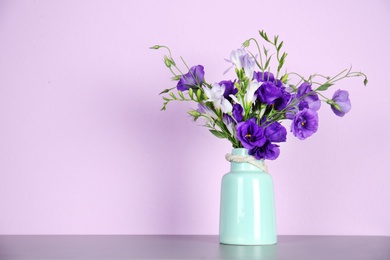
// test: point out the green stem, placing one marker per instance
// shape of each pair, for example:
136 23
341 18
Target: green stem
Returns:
184 62
258 48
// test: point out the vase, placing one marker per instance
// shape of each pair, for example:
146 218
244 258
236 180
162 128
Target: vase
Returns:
247 207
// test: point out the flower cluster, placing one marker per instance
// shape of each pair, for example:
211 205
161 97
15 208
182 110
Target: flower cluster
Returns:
249 110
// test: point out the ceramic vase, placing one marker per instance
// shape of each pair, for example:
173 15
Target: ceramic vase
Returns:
247 208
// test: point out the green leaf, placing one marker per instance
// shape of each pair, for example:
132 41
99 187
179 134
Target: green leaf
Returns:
267 62
264 35
324 86
218 134
281 63
276 39
164 106
282 60
280 46
265 51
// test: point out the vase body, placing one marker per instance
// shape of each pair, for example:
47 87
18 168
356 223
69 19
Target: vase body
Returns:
247 209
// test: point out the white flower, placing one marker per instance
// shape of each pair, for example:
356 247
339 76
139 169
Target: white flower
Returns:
241 60
229 123
235 57
215 95
226 106
248 64
235 99
250 96
206 111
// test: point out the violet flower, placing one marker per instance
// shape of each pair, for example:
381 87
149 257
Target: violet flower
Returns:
309 99
340 103
262 77
194 78
268 151
229 89
282 102
250 134
238 112
268 92
305 123
275 132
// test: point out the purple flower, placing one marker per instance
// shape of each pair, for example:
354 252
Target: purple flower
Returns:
282 102
229 89
268 92
275 132
340 103
309 99
305 123
268 151
250 134
194 78
238 112
261 77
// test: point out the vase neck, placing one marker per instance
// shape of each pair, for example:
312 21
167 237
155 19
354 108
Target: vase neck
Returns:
237 167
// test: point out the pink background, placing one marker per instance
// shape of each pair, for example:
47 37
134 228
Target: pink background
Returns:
84 148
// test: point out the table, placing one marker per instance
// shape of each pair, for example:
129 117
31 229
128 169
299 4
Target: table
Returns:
116 247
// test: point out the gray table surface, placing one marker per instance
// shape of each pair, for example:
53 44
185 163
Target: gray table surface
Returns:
189 247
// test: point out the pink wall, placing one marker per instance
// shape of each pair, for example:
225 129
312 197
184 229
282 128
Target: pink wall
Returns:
84 148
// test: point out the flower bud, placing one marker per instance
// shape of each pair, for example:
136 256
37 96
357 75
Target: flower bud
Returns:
155 47
199 94
284 78
333 104
191 93
194 113
177 77
167 61
246 43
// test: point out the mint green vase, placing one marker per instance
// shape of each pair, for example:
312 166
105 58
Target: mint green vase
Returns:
247 209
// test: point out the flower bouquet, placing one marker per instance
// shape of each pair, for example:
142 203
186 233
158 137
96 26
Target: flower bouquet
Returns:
248 110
